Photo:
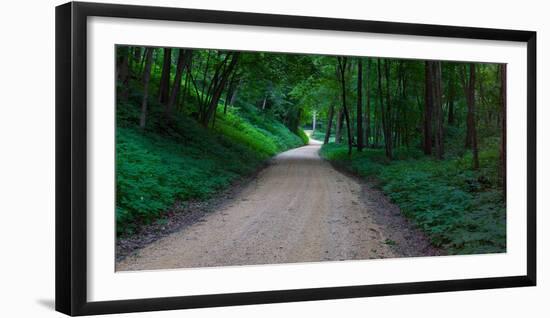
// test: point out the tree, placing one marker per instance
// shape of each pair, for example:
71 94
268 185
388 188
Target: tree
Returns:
217 85
437 108
217 91
368 110
428 108
503 79
213 86
339 123
469 91
396 103
146 78
122 70
385 106
359 105
183 58
164 86
388 118
329 123
136 61
451 96
342 63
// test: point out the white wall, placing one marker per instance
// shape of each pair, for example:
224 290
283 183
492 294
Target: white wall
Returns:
27 157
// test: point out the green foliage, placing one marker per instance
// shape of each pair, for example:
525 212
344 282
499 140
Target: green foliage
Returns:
460 209
183 160
268 96
303 137
318 134
261 132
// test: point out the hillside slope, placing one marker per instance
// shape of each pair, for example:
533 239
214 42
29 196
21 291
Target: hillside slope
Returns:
179 160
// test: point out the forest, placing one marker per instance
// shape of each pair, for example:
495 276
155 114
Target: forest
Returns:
431 135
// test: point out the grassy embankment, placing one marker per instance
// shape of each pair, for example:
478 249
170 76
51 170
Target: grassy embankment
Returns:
184 161
461 210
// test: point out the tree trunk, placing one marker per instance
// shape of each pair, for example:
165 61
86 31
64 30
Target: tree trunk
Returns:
329 123
164 86
388 126
469 121
377 136
137 61
123 71
218 89
470 99
136 56
185 91
342 63
314 122
385 110
451 98
143 62
438 108
183 57
367 114
380 96
146 78
359 105
339 124
503 79
428 108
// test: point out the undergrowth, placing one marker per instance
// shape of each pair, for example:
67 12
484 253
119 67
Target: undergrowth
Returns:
460 209
182 160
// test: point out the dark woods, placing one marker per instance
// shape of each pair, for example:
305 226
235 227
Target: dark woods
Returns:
401 102
398 102
192 120
430 134
208 83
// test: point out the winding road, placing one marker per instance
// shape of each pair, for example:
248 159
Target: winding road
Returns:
298 209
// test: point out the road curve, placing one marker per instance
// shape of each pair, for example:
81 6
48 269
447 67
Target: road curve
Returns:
298 209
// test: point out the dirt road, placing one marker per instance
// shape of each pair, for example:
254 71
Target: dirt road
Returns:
298 209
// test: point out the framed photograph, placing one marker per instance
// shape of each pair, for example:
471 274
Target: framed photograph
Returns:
208 158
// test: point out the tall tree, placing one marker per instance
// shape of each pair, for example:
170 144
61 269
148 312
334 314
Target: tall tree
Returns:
503 91
136 61
385 106
342 65
428 107
123 71
388 118
339 123
451 89
329 123
221 76
359 105
146 78
368 110
137 55
438 108
183 57
164 85
188 78
213 87
469 88
469 121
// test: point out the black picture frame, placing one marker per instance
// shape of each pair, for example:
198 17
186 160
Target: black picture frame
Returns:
71 157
